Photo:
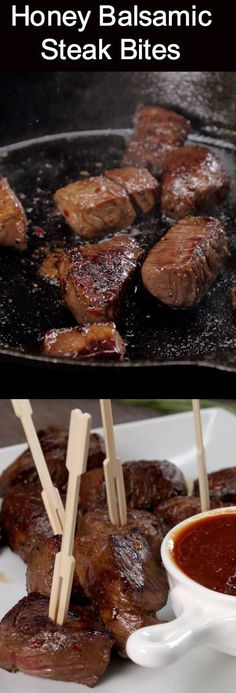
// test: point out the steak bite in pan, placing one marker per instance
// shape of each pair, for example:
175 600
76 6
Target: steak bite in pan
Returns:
94 206
54 445
12 218
183 265
144 190
161 120
89 341
120 575
147 483
157 131
95 278
30 642
194 180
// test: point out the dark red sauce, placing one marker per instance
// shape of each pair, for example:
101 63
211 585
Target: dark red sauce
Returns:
206 552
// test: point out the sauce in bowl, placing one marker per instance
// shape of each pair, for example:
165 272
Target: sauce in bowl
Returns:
205 550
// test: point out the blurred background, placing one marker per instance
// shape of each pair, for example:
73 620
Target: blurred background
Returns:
35 104
48 412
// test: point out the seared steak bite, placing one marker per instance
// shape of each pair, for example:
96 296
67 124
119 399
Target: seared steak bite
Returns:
157 131
194 180
93 524
222 484
143 189
12 218
94 278
147 483
183 265
97 522
121 576
24 519
156 118
175 510
89 341
94 206
149 151
40 567
54 445
30 642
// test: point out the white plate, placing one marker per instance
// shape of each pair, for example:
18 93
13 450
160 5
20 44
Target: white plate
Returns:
172 438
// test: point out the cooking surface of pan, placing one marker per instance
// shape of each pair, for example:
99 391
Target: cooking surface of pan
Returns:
31 304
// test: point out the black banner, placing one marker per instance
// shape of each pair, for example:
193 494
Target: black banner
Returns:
116 36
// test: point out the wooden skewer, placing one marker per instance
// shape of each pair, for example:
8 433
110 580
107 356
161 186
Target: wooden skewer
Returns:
50 494
113 470
201 457
76 461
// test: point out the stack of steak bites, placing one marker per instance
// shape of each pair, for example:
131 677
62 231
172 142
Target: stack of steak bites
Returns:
119 581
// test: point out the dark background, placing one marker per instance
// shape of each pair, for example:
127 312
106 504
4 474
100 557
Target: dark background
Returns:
36 103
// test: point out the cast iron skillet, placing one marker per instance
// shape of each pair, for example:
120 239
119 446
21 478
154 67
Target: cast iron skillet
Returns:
30 304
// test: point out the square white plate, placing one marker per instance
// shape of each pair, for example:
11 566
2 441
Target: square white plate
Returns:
170 437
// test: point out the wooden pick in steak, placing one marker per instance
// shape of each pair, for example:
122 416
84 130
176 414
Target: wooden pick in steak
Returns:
201 457
76 461
113 470
50 494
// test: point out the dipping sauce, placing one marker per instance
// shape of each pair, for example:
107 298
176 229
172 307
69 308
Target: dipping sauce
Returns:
206 552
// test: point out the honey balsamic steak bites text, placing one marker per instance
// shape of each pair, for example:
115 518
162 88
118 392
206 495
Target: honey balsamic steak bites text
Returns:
13 220
182 266
194 180
101 340
31 642
156 132
95 278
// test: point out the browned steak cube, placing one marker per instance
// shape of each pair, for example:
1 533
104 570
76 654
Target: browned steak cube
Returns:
194 180
159 119
89 341
121 576
97 522
182 266
95 278
54 445
91 523
143 189
175 510
148 151
94 206
40 567
24 519
30 642
222 484
157 132
147 483
12 218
